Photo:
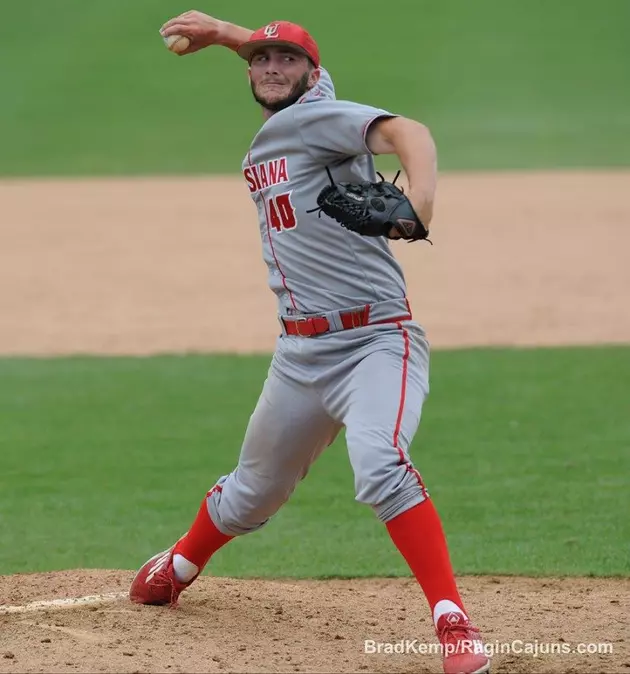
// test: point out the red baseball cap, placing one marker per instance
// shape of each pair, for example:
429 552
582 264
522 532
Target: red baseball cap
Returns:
281 33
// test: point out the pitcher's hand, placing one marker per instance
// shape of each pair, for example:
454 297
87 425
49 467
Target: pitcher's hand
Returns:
201 29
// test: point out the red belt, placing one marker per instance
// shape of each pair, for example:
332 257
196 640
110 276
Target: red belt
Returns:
318 325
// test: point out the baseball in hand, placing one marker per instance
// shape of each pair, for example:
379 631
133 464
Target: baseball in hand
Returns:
177 43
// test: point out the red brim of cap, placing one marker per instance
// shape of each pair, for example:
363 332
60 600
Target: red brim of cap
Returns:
247 49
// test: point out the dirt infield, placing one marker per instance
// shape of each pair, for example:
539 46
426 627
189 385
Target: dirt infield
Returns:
141 266
312 626
147 266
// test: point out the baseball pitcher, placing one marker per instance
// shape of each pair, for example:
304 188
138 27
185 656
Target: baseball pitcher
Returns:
349 354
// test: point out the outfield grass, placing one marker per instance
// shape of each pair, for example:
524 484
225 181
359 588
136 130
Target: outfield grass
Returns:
502 83
103 461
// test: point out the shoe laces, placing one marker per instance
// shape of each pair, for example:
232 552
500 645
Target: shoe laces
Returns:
165 579
450 633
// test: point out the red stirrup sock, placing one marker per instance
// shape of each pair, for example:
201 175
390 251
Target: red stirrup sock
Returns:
202 540
418 535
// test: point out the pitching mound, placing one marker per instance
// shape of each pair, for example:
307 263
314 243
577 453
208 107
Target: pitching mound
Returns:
228 625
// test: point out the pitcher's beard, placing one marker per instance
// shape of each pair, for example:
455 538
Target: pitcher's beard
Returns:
298 90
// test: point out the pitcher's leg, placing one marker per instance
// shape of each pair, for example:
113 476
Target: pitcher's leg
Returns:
383 404
381 411
286 433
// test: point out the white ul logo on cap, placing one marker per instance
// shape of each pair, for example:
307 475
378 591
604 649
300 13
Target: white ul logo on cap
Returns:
271 30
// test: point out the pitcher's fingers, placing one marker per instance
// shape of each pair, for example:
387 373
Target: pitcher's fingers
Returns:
170 22
178 20
175 29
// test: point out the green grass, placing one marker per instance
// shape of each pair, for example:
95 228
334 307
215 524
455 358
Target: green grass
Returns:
103 461
501 83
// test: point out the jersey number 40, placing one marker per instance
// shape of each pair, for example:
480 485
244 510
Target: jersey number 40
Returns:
280 212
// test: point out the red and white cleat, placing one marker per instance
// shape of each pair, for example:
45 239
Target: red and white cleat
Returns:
155 583
463 649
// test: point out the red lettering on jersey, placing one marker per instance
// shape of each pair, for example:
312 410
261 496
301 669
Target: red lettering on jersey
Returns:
273 171
266 174
280 212
251 183
263 175
283 176
255 172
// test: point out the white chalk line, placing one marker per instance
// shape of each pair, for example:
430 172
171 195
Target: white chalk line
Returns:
63 603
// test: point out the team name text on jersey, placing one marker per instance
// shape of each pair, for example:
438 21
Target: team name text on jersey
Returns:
266 174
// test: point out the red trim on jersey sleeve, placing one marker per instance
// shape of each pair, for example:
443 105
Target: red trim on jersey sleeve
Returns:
366 126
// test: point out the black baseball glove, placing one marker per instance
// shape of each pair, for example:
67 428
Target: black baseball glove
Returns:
371 209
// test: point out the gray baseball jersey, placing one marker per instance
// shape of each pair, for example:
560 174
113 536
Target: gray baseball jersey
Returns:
314 264
371 379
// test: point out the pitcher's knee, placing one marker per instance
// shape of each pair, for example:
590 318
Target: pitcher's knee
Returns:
398 502
238 507
391 492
